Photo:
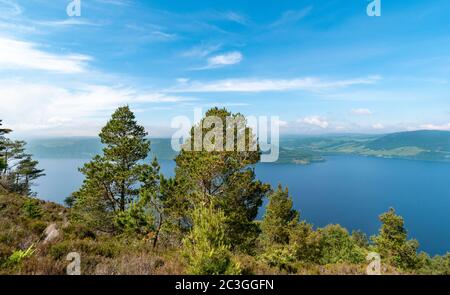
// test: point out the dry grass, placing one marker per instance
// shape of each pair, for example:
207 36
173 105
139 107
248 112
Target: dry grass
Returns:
102 254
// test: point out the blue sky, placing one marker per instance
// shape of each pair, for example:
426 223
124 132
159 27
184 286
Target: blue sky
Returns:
321 66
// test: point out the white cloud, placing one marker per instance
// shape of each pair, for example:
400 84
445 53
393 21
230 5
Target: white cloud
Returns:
315 121
29 106
222 60
442 127
24 55
115 2
282 123
235 17
378 126
362 112
66 22
292 16
261 85
202 50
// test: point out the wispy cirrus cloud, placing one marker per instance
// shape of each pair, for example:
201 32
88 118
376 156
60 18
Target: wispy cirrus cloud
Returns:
10 8
222 60
67 22
16 54
291 16
116 2
201 50
262 85
235 17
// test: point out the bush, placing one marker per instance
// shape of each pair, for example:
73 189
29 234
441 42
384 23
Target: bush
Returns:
38 227
336 246
79 231
135 220
19 255
281 257
58 251
305 242
204 247
32 208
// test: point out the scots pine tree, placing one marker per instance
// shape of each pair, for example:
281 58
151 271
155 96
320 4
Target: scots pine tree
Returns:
113 180
277 226
392 242
3 131
221 173
18 170
279 219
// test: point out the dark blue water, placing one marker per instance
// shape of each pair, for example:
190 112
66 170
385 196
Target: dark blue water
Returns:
351 191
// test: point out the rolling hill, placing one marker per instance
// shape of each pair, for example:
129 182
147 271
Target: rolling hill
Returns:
415 145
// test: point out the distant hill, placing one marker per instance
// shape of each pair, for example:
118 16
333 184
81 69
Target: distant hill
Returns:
87 147
67 147
424 139
414 145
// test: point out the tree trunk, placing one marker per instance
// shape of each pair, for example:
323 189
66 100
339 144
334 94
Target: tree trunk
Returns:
122 197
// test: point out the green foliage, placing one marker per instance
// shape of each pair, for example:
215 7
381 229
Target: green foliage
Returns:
438 265
135 220
280 256
205 247
109 197
2 138
336 246
2 164
17 168
223 175
392 243
277 226
279 219
19 255
32 209
360 239
305 243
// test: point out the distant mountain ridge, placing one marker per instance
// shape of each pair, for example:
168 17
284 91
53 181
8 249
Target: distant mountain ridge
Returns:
415 145
428 145
87 147
425 139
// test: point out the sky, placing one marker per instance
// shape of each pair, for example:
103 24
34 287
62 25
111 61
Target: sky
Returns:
320 66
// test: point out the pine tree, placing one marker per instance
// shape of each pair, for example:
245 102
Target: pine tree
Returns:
277 226
27 171
18 170
392 243
114 179
3 131
279 219
223 175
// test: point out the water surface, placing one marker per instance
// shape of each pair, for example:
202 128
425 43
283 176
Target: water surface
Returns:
348 190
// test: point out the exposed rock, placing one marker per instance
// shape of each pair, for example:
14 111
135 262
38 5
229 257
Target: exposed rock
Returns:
51 233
